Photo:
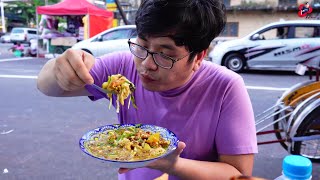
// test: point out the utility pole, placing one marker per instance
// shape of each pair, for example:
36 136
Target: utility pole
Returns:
3 22
125 20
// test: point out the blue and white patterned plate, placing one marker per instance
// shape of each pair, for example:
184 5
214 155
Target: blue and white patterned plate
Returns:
165 133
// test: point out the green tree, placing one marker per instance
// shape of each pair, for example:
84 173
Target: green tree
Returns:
25 11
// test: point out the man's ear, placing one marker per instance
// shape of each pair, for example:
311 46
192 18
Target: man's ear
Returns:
199 58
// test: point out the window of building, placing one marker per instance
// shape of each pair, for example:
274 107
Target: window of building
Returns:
226 3
231 29
316 3
287 2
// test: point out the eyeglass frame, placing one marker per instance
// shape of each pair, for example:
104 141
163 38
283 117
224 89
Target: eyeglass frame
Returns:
174 60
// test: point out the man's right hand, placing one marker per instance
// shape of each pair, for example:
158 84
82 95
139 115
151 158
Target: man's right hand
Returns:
71 69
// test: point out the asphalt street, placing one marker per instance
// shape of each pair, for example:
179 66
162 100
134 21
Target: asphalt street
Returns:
39 135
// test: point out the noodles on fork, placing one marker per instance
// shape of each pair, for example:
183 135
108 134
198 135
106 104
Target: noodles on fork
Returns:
122 87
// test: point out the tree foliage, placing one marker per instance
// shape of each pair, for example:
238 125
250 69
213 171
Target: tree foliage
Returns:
26 11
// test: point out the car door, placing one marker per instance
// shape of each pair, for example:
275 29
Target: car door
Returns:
265 52
308 42
115 40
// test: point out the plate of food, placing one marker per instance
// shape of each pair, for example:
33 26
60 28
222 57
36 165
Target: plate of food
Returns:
128 145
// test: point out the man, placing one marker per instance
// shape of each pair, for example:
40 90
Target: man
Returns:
206 105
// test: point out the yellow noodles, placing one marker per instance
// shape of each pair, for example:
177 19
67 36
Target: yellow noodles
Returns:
122 87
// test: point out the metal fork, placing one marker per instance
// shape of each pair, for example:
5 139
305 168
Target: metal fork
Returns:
100 89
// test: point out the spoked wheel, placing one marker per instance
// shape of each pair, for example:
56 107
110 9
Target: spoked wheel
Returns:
309 127
280 126
235 62
58 50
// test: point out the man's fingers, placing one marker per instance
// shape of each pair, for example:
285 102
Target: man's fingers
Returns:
77 63
73 78
181 146
70 83
123 170
88 60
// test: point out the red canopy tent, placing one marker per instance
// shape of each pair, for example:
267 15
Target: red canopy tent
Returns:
99 19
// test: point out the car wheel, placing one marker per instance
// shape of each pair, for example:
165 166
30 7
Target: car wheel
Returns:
234 62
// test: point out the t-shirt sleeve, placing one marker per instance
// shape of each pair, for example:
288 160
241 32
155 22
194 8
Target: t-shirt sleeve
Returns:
236 132
105 66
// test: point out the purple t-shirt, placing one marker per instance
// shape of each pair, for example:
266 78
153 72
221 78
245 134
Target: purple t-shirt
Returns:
211 113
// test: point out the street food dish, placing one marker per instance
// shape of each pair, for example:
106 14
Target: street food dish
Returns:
129 145
122 87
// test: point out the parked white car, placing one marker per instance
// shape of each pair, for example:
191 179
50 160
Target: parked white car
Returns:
23 35
276 46
111 40
5 38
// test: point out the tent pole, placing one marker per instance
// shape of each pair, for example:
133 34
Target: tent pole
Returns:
37 24
88 26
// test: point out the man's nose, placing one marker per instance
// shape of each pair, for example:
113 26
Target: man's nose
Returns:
149 63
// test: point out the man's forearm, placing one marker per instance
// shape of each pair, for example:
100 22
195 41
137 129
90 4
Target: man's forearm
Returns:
191 169
47 83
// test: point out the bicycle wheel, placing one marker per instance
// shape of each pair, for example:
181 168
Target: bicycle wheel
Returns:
281 126
309 126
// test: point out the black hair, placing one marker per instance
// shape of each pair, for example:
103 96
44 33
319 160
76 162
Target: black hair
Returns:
190 23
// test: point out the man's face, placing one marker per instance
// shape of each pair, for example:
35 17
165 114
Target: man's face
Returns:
155 78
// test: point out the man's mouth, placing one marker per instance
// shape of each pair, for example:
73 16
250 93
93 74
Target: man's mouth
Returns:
147 77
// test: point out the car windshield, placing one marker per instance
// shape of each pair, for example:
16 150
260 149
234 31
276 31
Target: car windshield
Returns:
118 34
17 31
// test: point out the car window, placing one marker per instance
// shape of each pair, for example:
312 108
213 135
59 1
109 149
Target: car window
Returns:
275 33
306 32
316 32
117 34
32 32
133 34
17 31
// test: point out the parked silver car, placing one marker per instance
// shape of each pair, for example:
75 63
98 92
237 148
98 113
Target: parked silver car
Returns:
113 39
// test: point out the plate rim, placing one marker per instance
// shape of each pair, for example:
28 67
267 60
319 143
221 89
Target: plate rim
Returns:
83 139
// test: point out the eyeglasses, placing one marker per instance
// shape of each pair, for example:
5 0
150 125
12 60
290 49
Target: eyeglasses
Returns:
160 59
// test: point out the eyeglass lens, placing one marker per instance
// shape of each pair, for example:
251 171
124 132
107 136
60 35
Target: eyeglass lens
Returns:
160 59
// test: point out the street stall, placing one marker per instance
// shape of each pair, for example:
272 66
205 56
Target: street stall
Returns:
82 20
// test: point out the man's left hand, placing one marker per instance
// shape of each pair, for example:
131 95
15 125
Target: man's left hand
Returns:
165 164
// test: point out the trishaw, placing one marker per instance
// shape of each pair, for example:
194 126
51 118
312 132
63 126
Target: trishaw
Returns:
296 118
60 44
